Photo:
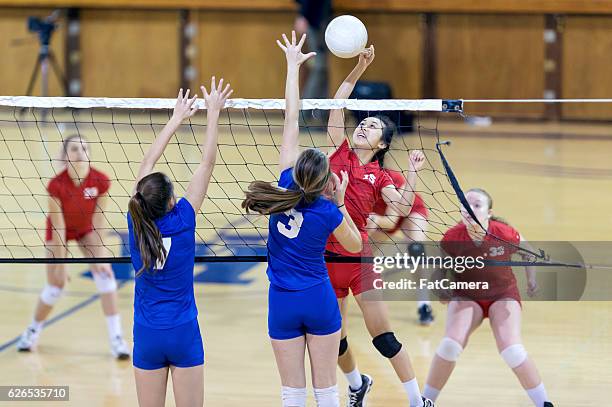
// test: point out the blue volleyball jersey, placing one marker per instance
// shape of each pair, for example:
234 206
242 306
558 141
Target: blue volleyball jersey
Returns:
296 241
164 298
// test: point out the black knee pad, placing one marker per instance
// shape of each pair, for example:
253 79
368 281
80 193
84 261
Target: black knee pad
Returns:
343 346
416 249
387 344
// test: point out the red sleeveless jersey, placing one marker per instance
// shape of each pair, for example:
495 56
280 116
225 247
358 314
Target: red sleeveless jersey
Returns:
78 202
364 189
502 282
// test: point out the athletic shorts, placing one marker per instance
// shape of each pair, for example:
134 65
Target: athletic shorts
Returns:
292 314
485 304
356 277
70 235
180 346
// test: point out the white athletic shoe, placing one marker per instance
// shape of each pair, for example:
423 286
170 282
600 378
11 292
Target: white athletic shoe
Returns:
119 348
28 340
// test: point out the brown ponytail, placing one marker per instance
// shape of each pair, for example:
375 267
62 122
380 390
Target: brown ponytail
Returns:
310 173
149 203
266 198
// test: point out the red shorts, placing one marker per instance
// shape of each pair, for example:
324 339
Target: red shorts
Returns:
486 304
358 277
418 207
70 234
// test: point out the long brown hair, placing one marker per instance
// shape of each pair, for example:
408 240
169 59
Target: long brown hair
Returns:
490 199
150 202
311 174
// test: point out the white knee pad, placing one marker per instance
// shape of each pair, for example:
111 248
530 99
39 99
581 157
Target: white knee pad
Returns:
514 355
327 397
449 349
104 283
293 397
51 294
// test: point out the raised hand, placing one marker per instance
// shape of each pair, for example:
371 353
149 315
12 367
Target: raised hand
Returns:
340 187
417 159
366 56
215 100
293 49
184 107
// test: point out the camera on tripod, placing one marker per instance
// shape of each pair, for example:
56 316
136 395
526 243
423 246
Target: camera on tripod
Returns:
44 28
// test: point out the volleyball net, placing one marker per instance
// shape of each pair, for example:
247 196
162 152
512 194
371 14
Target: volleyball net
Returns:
118 132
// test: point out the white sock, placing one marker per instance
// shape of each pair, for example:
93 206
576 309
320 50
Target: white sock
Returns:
538 395
421 303
430 392
113 323
414 394
354 379
327 397
37 325
293 397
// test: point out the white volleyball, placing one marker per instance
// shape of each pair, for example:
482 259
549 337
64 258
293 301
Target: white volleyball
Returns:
346 36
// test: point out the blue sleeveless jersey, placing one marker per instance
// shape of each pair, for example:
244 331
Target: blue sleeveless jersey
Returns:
163 298
296 241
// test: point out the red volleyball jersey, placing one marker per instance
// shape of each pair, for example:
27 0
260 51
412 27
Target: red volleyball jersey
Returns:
418 205
364 189
502 282
78 202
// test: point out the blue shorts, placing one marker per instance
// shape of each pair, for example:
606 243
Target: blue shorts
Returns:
180 346
295 313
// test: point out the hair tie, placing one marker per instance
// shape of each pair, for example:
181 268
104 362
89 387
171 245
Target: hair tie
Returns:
303 193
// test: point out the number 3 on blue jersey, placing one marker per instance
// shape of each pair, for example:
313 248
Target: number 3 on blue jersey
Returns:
290 226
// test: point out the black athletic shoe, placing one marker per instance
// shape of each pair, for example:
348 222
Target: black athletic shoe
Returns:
428 402
357 398
425 314
548 404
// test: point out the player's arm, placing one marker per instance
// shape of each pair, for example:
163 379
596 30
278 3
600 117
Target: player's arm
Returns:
530 271
97 219
57 245
96 247
183 109
335 124
346 233
383 222
295 58
215 101
399 200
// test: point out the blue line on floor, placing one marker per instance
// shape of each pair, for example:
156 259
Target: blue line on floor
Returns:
63 315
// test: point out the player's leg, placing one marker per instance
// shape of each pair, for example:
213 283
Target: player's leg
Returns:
414 227
376 316
289 355
505 316
151 386
91 245
359 384
286 331
188 386
462 318
322 351
50 295
323 323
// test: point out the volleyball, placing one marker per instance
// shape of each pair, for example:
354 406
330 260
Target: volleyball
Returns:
346 36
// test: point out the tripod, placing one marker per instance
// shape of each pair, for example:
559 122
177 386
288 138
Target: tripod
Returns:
45 29
44 59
